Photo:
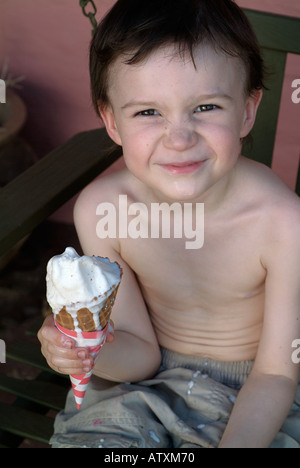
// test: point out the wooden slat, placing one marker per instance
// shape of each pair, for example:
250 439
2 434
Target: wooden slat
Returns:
44 393
265 127
276 32
8 440
26 424
28 353
42 189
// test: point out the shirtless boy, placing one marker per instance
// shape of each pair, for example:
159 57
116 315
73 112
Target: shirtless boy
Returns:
179 90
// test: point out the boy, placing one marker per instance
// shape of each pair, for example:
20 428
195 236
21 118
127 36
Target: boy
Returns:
178 84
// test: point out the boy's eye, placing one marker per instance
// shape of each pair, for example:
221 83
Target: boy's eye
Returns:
148 113
206 108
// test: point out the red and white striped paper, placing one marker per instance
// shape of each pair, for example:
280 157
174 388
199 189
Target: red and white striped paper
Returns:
93 342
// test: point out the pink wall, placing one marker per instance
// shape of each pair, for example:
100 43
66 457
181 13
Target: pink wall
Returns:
48 41
279 7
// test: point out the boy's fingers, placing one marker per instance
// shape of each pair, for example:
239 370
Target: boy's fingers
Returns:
73 361
60 351
50 333
70 367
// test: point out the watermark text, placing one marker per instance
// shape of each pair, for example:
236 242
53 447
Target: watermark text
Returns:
2 92
296 93
2 352
296 353
160 220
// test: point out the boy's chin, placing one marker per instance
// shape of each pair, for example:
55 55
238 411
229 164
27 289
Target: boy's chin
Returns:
178 196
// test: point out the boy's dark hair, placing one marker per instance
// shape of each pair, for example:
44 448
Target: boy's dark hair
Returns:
135 28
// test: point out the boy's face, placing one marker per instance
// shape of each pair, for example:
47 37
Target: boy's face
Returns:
180 126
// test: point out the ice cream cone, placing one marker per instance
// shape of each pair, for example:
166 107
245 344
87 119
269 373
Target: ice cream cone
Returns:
86 321
93 342
81 291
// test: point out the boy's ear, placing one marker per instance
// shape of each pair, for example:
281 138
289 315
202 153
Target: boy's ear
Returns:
108 118
251 108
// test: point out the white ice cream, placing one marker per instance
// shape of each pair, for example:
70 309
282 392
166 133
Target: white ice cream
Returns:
77 282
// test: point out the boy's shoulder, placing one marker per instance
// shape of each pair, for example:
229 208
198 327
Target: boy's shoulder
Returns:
104 189
265 181
276 202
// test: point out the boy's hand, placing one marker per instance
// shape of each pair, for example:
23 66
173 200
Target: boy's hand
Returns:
61 353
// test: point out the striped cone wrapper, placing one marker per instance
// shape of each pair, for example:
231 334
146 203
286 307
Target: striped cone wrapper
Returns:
93 342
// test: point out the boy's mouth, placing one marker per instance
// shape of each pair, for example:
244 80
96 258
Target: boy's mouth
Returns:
186 167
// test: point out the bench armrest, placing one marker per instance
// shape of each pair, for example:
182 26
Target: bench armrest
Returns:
47 185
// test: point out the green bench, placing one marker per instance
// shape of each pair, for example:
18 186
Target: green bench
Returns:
28 416
32 197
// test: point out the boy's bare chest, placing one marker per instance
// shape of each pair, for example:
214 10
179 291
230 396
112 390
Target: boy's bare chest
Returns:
226 269
206 302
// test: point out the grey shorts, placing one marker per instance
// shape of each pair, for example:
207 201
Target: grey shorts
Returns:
186 405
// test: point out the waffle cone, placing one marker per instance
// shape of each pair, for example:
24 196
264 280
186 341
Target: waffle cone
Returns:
87 320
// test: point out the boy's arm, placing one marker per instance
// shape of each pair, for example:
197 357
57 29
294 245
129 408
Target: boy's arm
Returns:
134 354
266 398
259 412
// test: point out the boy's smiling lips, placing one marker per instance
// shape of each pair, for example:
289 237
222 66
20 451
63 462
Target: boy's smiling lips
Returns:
183 167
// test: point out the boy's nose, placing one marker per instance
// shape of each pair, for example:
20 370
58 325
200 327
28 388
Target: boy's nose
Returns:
180 139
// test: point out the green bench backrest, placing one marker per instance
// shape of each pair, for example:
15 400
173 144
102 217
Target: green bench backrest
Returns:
278 36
